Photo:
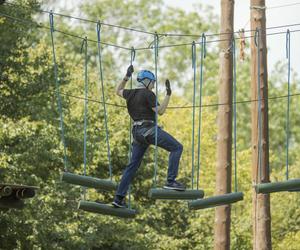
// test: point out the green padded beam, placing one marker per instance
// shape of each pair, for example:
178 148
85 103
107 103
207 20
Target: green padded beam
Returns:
10 202
96 207
217 200
87 181
281 186
167 194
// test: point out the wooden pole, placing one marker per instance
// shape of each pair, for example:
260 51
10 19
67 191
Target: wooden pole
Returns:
260 202
224 140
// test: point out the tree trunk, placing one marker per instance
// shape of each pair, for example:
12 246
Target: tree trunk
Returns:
261 202
224 141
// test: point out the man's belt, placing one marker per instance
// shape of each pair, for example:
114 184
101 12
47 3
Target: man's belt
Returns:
141 122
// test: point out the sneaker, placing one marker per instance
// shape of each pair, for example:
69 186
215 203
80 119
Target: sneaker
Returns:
174 186
119 203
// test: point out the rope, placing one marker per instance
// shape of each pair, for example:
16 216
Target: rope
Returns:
234 112
281 6
132 57
61 117
153 33
186 106
93 41
103 98
203 55
156 42
85 45
160 47
219 40
194 108
257 7
288 56
257 44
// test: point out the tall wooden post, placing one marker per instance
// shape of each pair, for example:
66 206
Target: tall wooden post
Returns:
260 202
224 141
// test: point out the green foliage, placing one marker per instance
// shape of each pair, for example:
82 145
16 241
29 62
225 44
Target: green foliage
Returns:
31 151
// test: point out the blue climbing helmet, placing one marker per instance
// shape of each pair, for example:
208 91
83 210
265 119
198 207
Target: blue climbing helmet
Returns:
145 74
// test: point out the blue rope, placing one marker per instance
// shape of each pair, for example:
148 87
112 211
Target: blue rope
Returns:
132 57
194 108
234 112
85 101
156 42
203 55
84 44
257 44
288 56
61 117
103 98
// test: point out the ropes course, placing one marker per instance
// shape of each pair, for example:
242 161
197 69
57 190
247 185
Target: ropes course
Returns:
160 193
68 177
194 195
292 185
227 198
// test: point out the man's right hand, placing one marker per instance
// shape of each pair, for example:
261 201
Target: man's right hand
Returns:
129 72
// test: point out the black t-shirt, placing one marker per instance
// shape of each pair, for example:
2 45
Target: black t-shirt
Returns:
140 103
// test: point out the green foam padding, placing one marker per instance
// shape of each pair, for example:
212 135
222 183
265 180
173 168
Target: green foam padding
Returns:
87 181
217 200
11 202
167 194
292 185
105 209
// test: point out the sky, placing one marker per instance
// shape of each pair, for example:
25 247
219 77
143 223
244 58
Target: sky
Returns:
278 12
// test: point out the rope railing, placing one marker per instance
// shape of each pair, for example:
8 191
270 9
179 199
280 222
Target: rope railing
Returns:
142 48
153 33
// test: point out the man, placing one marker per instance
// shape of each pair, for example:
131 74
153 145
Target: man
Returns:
141 106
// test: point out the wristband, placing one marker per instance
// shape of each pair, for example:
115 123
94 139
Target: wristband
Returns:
125 78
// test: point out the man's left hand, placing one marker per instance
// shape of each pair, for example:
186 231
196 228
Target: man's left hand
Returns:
168 87
129 72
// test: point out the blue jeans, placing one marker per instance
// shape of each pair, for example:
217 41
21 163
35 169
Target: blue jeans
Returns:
139 147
